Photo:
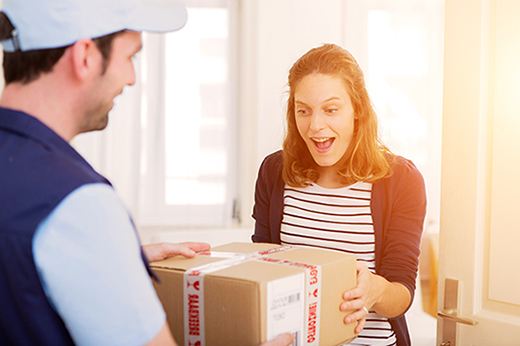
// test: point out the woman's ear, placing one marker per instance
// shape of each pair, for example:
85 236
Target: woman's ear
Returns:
86 59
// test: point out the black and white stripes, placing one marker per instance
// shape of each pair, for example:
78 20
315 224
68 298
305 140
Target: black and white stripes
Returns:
341 220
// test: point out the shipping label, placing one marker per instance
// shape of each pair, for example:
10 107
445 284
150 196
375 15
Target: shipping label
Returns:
285 307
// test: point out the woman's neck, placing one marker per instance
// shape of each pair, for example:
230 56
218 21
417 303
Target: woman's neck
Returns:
329 178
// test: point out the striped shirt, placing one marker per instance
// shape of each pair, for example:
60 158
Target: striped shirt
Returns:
341 220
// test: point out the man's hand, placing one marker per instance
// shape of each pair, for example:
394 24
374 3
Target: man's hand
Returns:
161 251
283 340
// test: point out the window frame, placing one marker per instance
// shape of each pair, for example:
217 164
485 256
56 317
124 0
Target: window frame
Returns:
152 209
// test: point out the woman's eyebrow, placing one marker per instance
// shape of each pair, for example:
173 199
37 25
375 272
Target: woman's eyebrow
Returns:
333 98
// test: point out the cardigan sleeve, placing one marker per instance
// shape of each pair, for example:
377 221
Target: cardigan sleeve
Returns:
268 207
404 211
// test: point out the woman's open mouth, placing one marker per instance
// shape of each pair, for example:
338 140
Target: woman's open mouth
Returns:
323 144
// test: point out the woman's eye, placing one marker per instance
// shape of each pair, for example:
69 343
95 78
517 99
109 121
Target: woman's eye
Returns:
331 110
302 111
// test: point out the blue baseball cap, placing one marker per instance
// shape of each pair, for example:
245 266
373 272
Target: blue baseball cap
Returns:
45 24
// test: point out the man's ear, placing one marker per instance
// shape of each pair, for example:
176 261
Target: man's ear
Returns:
85 58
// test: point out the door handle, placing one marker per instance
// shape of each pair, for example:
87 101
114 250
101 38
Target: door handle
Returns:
451 315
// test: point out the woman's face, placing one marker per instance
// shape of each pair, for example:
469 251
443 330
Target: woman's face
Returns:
324 117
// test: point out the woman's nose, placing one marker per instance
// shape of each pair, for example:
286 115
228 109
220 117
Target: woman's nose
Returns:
317 122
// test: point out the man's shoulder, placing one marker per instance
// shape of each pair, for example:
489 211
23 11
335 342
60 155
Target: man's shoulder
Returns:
33 153
37 173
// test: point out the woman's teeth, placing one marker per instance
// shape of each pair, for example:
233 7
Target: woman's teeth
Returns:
321 140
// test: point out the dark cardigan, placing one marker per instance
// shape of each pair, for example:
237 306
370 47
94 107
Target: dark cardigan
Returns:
398 209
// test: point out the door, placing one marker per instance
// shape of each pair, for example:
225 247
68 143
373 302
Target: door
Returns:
479 255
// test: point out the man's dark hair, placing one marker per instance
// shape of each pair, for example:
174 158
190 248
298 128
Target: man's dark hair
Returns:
25 67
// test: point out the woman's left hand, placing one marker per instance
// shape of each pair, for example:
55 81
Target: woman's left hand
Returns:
363 297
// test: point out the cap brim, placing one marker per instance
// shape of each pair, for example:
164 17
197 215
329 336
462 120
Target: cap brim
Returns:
158 16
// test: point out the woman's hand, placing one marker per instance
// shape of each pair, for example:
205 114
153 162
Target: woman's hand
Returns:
388 299
161 251
364 296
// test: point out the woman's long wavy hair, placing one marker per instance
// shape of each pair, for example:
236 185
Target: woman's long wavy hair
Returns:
366 158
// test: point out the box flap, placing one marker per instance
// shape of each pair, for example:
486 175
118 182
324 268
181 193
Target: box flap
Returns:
244 247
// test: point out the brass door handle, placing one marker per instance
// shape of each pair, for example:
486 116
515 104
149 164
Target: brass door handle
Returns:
451 315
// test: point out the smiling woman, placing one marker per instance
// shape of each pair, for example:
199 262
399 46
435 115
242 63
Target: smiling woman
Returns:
328 100
336 186
325 121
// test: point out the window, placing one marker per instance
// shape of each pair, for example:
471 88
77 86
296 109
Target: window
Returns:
189 121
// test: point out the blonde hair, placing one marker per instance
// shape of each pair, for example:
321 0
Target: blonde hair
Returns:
366 158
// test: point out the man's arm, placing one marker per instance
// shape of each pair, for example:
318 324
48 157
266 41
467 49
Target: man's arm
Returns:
163 338
89 262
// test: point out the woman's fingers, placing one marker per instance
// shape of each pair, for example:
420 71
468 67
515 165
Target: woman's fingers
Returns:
360 325
356 315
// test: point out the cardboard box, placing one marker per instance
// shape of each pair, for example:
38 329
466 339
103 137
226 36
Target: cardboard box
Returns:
244 294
